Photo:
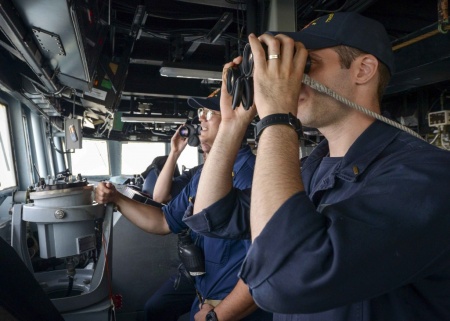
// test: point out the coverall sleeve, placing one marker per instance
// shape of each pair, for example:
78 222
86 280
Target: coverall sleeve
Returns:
392 232
227 218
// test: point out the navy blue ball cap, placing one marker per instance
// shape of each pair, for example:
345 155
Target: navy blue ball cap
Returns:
211 102
349 29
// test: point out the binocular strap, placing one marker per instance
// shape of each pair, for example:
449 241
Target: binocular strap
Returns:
182 271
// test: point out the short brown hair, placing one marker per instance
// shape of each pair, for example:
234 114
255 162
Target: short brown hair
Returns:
348 54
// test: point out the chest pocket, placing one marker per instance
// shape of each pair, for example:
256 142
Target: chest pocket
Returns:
217 251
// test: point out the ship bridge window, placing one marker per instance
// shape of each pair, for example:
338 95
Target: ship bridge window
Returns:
136 156
7 169
189 158
92 159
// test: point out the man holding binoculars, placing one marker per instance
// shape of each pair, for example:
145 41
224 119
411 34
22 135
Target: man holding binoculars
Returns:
362 232
223 295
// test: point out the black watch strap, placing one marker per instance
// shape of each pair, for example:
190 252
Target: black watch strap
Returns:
276 119
211 316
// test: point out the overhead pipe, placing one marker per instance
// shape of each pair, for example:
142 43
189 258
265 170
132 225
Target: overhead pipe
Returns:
118 82
443 26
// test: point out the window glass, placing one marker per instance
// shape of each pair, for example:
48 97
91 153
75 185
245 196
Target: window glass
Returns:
136 156
189 158
7 170
92 159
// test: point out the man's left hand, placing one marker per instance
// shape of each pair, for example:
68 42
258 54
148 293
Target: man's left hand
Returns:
239 115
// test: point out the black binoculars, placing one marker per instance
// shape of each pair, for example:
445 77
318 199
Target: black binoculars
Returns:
190 254
240 80
188 130
191 132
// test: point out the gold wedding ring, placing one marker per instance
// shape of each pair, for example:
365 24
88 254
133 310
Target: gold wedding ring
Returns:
273 57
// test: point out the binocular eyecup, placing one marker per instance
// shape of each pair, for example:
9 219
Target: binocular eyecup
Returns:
188 130
240 87
191 132
240 79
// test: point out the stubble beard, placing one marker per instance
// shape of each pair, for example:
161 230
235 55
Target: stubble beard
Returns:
321 111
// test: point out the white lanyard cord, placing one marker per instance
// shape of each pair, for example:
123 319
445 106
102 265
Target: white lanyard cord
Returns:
325 90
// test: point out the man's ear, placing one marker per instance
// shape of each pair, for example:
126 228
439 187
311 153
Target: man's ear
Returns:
367 68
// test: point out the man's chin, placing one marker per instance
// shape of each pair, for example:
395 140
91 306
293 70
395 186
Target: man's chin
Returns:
205 147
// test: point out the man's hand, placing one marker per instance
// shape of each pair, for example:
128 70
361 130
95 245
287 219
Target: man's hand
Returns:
178 143
218 168
239 116
204 309
277 82
105 192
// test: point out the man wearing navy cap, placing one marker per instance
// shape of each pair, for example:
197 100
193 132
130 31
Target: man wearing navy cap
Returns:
363 233
223 296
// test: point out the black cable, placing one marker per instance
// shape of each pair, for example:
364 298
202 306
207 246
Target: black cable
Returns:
184 19
70 287
53 143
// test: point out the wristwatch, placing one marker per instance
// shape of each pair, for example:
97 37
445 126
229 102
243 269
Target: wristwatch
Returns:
276 119
211 316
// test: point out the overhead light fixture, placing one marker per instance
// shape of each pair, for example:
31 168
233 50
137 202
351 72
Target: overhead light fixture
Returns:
134 118
190 71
